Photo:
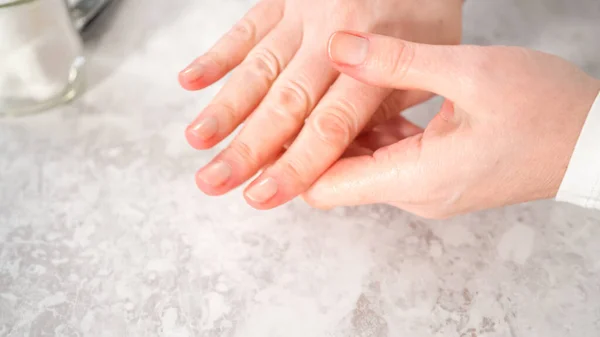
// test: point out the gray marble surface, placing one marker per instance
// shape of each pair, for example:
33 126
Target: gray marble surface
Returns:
103 232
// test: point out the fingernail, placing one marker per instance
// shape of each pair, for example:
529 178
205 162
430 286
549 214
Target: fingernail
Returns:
263 191
215 174
193 72
204 128
348 49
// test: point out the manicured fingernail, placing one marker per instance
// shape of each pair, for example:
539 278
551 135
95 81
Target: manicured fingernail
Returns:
204 128
215 174
193 72
263 191
348 49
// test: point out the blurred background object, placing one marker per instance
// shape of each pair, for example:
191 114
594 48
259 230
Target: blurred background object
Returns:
41 56
84 11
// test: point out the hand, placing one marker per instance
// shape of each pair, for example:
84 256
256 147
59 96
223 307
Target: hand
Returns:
283 78
504 135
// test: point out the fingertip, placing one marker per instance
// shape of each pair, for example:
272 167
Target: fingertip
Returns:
348 48
198 142
216 178
202 133
330 43
259 206
203 186
187 85
269 190
194 86
190 77
261 193
198 75
271 204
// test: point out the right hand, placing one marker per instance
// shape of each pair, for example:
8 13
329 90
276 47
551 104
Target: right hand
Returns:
505 134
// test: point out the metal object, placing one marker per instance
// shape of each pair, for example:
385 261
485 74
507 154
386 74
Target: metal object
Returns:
84 11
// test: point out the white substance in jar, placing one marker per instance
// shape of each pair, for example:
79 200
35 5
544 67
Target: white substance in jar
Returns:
38 48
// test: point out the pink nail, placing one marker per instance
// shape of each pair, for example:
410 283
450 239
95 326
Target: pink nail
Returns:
193 72
263 191
215 174
349 49
204 128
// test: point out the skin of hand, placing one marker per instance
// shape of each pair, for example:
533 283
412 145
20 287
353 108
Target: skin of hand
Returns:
504 135
285 91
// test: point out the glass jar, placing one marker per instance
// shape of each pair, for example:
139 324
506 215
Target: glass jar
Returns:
41 56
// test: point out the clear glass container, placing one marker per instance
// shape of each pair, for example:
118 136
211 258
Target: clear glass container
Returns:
41 56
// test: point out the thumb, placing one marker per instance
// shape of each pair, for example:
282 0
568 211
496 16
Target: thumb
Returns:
369 179
394 63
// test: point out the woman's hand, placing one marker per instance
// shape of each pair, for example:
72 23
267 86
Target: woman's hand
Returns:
504 135
283 78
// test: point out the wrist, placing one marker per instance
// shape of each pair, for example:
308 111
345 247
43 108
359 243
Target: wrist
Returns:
581 150
580 184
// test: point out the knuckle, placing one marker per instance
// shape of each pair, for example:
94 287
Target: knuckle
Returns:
297 171
290 102
264 64
243 30
332 128
241 151
225 111
401 59
337 124
387 110
215 58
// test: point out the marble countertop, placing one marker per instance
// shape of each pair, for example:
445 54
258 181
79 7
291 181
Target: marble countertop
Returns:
103 232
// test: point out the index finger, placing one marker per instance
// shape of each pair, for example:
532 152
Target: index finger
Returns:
451 71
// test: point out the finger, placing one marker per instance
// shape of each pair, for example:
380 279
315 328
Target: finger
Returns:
276 121
233 47
395 104
394 63
248 85
368 179
329 130
273 159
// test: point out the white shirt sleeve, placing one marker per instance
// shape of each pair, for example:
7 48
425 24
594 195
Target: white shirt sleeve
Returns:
581 184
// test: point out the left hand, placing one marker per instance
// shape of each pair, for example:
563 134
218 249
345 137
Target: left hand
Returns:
283 77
